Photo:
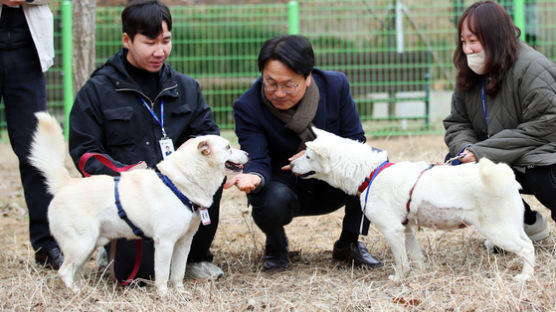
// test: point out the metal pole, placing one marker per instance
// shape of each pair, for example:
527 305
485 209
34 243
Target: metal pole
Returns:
293 18
519 16
67 22
399 27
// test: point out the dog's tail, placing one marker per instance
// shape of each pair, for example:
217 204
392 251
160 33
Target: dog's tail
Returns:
48 152
497 176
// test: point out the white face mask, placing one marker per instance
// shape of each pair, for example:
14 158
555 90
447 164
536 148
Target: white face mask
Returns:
476 62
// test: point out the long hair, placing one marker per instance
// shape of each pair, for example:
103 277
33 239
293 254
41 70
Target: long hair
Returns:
500 40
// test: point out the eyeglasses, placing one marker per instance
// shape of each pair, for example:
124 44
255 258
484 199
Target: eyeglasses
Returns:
288 88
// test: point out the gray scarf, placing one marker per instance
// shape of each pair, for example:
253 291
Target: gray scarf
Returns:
298 118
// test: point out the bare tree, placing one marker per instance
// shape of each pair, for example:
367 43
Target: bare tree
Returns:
83 41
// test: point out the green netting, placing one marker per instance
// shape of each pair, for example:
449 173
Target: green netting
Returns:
397 54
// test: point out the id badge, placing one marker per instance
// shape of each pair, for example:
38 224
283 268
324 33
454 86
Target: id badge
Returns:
205 218
166 147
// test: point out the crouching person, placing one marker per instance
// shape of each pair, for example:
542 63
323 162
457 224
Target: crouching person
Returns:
273 120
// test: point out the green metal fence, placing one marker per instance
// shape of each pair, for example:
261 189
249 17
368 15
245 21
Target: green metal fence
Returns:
396 53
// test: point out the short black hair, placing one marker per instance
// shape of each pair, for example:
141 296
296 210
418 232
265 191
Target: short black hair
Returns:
145 17
295 51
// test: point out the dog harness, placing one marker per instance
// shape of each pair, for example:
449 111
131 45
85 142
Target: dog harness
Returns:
186 201
121 212
411 192
373 174
368 181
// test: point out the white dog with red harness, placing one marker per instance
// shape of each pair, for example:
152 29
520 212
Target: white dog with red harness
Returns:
86 213
396 196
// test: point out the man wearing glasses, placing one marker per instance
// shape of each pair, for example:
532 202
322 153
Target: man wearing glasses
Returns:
273 122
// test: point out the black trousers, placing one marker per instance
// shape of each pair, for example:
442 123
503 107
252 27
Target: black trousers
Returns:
277 203
539 181
22 87
126 250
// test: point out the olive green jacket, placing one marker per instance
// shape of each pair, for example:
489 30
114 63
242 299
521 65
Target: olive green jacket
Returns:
521 117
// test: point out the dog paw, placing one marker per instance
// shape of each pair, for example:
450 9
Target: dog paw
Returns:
394 277
183 292
521 277
180 288
75 288
420 266
489 246
162 291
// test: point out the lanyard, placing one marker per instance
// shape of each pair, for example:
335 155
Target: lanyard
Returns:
484 106
161 120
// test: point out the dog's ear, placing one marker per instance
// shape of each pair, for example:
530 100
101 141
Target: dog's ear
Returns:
204 147
316 149
317 132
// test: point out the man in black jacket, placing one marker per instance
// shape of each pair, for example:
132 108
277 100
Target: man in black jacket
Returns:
133 110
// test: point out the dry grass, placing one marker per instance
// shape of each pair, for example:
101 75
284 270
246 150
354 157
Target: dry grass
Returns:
459 275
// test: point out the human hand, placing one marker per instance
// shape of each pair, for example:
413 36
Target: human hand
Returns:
12 2
139 165
467 156
245 182
294 157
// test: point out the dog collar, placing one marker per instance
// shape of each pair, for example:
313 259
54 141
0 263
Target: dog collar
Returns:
373 175
186 201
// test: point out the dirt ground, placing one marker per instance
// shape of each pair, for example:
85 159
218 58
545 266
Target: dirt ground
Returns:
459 276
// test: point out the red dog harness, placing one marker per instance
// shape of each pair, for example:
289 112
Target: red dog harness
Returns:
373 174
368 181
411 192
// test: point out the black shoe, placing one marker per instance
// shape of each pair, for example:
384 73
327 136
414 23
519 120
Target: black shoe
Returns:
51 259
275 257
357 253
275 264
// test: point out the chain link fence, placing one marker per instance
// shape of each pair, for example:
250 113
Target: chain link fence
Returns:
397 54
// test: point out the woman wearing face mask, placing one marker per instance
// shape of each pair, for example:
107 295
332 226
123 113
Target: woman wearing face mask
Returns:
504 106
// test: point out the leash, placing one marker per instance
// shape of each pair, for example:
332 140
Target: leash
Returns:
411 191
451 161
139 250
103 160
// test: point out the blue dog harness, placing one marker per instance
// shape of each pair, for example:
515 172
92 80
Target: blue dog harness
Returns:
137 231
121 212
186 201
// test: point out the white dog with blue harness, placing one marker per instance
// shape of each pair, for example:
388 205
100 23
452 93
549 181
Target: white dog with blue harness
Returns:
165 206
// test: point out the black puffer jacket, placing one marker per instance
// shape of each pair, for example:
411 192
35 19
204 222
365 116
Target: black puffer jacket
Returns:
109 118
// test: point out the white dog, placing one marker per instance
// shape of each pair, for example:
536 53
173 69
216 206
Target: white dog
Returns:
485 195
83 213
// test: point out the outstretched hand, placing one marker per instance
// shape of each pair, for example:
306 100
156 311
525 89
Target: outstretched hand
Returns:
294 157
245 182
